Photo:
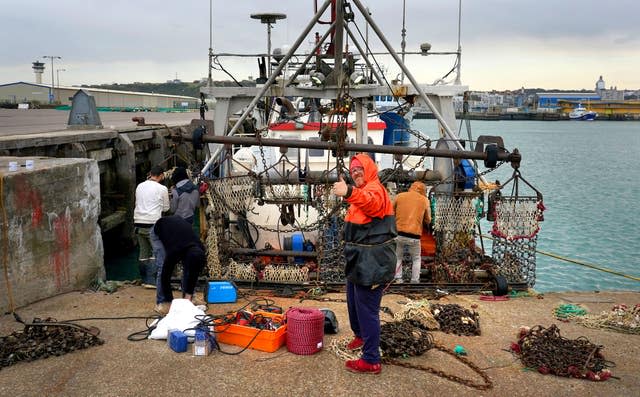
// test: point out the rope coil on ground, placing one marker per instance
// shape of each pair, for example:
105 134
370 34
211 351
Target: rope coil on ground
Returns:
621 318
305 330
566 311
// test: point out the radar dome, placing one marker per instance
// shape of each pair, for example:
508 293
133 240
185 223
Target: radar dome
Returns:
280 52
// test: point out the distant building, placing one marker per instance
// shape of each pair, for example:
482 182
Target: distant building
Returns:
548 101
612 94
482 102
22 92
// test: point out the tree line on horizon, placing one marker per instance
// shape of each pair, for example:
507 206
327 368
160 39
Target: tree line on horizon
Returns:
169 88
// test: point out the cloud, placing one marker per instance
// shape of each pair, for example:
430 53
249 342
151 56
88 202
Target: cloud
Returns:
147 40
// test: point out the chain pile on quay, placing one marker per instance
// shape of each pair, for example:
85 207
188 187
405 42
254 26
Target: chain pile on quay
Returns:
455 319
45 338
545 350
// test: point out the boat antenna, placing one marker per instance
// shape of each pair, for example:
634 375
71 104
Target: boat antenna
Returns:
366 42
459 56
268 19
403 43
209 81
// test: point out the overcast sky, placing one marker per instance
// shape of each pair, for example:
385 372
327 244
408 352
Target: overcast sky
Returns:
506 44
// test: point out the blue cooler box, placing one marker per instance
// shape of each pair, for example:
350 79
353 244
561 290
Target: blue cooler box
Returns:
220 292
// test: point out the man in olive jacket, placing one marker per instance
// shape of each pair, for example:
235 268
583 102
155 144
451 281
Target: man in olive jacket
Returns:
412 212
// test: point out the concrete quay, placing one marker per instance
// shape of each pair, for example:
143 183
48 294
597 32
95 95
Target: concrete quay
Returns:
51 240
35 121
80 192
149 368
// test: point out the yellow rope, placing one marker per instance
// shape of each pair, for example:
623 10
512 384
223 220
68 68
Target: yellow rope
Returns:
581 263
5 243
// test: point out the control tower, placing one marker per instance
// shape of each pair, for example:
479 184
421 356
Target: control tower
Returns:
38 69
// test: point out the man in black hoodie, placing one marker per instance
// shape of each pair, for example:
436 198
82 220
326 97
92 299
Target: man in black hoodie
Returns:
180 244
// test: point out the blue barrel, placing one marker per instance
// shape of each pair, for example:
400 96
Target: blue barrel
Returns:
297 244
467 174
396 133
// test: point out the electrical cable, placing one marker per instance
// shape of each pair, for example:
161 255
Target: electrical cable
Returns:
134 337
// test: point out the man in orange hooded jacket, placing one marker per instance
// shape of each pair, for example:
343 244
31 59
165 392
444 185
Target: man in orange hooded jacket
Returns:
412 211
370 253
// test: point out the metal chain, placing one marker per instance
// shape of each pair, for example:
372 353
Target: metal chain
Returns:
264 160
548 352
455 319
397 169
45 338
488 383
404 338
407 338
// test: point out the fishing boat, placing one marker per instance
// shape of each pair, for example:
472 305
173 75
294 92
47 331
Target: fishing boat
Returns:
581 113
276 149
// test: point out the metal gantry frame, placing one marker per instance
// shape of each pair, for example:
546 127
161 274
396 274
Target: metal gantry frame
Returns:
338 27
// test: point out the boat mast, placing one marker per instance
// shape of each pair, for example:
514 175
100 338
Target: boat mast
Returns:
267 85
459 56
403 43
448 131
209 80
333 83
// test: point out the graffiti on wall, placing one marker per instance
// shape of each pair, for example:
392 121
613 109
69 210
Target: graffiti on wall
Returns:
29 198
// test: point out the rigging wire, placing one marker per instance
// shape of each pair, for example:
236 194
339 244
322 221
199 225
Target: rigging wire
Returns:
217 62
374 58
441 79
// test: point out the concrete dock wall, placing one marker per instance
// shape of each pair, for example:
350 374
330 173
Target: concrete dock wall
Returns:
50 241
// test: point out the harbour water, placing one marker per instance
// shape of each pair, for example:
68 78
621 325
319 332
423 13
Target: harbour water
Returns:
588 174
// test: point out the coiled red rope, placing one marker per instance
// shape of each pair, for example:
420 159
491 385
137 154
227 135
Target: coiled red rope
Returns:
305 330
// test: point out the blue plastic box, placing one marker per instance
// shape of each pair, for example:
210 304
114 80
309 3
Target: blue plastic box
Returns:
177 341
220 292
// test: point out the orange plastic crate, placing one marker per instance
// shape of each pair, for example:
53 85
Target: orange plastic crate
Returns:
240 335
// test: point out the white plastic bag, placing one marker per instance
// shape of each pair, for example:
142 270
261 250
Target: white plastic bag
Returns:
182 315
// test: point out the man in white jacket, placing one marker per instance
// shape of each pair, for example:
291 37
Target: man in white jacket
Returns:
152 199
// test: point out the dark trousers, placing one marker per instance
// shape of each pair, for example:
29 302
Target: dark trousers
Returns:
193 261
363 304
